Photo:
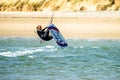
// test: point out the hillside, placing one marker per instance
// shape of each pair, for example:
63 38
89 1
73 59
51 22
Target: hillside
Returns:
59 5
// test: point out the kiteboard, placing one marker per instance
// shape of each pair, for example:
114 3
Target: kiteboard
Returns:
58 37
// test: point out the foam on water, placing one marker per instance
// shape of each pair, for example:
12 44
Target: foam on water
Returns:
47 48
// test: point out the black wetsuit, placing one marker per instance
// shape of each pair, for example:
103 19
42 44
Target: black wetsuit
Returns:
44 35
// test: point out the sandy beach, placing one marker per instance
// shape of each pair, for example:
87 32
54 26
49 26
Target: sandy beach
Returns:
87 25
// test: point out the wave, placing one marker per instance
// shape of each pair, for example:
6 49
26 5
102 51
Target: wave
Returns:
47 48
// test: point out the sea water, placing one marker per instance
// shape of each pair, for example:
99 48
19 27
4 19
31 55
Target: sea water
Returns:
24 58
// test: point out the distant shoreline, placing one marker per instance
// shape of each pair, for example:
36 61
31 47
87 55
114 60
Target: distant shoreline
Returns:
59 14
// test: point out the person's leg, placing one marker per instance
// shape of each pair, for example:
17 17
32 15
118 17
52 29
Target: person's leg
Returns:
46 34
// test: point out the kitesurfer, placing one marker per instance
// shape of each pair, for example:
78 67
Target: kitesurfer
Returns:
44 33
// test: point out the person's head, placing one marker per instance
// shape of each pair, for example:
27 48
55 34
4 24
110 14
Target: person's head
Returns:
39 27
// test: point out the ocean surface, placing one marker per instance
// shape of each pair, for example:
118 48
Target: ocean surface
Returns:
24 58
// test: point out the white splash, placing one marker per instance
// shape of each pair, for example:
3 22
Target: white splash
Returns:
31 57
28 51
19 53
95 47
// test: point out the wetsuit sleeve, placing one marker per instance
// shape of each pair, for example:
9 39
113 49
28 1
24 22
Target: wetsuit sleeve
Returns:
44 29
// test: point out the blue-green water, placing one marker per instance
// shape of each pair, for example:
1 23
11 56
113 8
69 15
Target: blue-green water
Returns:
84 59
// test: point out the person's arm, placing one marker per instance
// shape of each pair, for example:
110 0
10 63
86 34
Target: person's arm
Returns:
44 29
35 31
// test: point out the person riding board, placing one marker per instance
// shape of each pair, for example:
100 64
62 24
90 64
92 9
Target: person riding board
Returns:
46 36
43 33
